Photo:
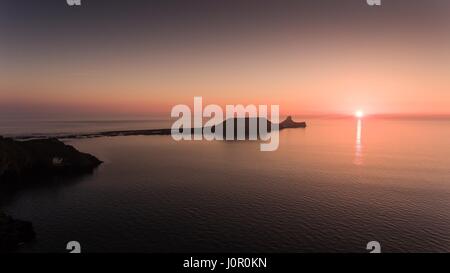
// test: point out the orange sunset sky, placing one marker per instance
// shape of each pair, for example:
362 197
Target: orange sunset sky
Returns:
118 59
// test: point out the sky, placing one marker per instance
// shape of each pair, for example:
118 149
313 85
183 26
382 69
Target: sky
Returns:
121 59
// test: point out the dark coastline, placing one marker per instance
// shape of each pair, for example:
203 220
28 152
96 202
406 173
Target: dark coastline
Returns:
29 160
14 232
286 124
22 163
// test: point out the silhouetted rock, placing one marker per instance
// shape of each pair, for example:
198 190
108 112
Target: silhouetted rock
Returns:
14 232
257 122
21 159
289 123
243 125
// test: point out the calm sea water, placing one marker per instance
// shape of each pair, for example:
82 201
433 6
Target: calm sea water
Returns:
331 187
12 128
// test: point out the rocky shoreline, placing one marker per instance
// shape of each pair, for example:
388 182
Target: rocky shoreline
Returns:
14 232
22 159
20 163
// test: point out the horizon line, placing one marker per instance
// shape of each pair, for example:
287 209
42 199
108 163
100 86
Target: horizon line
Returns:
160 117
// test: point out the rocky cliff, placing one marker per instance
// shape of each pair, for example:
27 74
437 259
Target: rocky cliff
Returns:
21 159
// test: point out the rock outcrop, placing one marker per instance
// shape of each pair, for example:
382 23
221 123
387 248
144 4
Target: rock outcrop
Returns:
290 123
14 232
257 122
21 159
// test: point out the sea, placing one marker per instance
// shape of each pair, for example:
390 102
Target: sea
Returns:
334 186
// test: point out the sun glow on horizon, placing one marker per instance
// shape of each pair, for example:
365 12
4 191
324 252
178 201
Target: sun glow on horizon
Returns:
359 114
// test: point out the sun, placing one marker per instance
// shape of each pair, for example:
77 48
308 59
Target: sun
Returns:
359 114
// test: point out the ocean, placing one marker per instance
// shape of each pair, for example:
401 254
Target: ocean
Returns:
332 187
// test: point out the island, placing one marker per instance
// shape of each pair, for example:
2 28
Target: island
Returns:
285 124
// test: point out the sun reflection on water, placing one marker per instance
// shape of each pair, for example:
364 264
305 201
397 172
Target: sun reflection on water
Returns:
358 144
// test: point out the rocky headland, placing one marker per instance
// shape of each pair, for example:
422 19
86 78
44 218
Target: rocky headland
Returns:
22 159
20 163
